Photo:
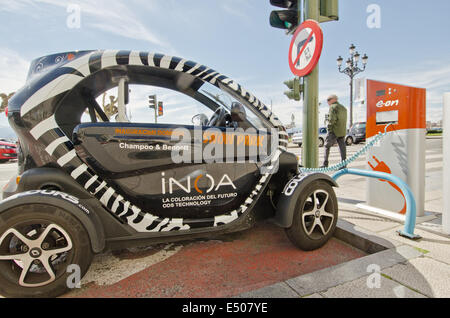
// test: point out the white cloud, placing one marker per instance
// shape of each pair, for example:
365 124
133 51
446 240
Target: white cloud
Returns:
434 76
13 72
237 8
114 17
11 6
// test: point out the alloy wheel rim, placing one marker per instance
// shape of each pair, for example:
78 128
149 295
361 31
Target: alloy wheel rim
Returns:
317 219
36 252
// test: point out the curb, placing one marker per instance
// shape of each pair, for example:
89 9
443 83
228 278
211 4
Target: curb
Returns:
383 252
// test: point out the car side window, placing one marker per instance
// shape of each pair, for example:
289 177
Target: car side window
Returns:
172 107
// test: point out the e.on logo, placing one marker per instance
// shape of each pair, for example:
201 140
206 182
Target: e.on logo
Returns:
224 181
388 103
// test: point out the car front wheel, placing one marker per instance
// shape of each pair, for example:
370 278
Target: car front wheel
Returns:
38 243
315 216
349 141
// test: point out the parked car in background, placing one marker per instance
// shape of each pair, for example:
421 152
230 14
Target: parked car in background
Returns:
298 137
8 151
356 134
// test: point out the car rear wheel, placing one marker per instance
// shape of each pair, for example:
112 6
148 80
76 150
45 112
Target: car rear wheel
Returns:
349 141
315 216
38 242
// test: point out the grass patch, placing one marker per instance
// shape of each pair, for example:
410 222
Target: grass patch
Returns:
421 250
386 276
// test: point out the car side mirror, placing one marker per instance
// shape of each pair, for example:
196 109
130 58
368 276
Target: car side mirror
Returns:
200 120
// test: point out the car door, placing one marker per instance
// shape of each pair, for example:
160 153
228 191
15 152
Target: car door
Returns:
163 167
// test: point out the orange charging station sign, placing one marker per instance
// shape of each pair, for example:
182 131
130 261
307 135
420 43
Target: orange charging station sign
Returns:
401 151
399 105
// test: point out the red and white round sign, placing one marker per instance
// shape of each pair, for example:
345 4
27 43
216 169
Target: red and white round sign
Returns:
305 48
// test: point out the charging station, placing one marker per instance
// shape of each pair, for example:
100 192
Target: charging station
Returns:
401 112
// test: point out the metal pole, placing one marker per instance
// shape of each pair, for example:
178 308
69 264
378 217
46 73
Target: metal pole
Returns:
310 151
351 100
446 165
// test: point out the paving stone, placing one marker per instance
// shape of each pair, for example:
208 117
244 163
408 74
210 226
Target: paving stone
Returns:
324 279
367 221
423 274
279 290
437 245
359 289
315 295
363 239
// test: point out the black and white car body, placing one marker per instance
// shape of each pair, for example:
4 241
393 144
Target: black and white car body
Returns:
85 187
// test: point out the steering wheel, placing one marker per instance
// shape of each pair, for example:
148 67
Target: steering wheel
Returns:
218 119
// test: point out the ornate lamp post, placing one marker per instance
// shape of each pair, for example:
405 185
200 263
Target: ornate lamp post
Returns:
352 70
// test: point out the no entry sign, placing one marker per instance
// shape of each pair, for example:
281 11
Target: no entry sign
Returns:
306 47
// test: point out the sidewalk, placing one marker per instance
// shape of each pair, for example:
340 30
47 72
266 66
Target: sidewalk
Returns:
399 267
396 267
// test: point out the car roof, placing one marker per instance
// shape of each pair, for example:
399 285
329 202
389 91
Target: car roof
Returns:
4 142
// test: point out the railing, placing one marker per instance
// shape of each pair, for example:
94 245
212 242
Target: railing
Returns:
410 217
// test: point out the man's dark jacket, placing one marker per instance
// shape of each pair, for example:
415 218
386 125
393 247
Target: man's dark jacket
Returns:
337 120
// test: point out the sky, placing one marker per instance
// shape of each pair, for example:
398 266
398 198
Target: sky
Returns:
409 46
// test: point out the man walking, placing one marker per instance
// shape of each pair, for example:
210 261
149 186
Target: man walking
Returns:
337 128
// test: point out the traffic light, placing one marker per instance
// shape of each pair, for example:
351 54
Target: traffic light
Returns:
160 109
295 88
285 19
152 102
329 10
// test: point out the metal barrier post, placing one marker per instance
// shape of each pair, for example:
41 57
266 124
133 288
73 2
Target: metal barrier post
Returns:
410 219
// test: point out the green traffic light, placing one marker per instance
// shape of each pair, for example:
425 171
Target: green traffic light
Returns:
295 88
284 19
292 95
290 83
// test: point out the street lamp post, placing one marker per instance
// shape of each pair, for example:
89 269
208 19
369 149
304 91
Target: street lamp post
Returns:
352 70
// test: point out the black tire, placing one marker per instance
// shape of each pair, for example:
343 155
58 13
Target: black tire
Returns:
349 141
4 160
31 220
321 142
298 232
299 144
